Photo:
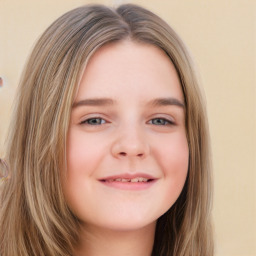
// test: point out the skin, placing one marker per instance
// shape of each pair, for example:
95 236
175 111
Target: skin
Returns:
130 133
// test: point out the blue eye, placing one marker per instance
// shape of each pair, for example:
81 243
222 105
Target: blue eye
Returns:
94 121
161 121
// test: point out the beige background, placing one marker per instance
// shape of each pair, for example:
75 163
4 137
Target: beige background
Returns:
221 35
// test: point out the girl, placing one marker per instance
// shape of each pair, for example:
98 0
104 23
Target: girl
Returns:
108 152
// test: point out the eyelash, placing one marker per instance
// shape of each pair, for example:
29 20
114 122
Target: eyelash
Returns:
95 122
87 121
166 121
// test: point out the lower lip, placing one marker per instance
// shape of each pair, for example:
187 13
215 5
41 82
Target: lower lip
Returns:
129 185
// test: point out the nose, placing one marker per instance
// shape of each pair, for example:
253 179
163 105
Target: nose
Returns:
130 143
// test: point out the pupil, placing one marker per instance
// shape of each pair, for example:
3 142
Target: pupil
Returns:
95 121
159 121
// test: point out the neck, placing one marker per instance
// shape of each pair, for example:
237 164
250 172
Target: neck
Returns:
97 242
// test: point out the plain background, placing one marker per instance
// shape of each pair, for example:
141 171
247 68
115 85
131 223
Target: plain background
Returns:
221 36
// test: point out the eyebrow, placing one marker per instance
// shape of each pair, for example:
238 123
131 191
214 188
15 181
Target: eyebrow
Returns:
166 102
108 102
94 102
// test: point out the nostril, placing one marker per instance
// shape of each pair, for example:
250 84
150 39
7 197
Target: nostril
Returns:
125 154
1 82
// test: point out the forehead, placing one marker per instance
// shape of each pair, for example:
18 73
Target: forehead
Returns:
129 68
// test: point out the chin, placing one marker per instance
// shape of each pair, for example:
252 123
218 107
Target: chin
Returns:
121 223
129 225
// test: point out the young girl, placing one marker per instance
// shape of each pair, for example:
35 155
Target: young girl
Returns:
108 152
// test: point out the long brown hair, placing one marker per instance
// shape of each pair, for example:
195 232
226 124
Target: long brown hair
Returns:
34 217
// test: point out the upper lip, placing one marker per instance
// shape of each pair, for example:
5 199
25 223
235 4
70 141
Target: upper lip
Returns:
128 176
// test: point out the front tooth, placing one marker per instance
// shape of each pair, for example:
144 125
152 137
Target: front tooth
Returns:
125 180
139 179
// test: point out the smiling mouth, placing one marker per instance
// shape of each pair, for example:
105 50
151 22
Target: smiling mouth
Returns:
135 183
127 180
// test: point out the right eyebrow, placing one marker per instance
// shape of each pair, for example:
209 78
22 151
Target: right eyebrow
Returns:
166 102
93 102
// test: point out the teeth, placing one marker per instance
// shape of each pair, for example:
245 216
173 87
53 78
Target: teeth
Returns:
143 179
139 179
125 180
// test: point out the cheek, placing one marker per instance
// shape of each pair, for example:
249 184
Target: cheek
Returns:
173 159
83 158
173 153
83 153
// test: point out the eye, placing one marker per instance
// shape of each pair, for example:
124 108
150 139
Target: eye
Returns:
161 121
94 121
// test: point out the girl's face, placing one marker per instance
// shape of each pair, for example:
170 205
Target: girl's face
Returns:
127 150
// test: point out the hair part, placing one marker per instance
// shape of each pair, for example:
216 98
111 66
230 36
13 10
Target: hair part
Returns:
34 217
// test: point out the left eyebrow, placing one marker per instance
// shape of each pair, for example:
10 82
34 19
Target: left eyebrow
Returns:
94 102
166 102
